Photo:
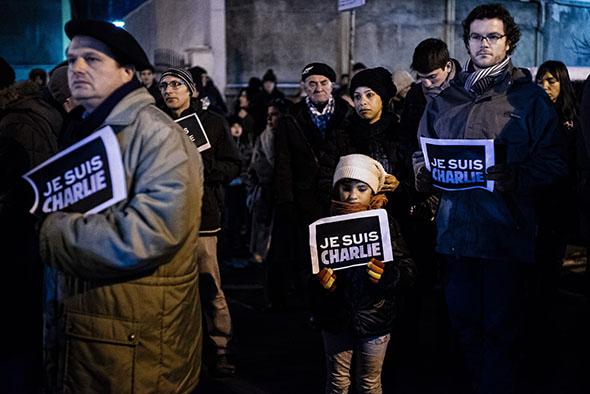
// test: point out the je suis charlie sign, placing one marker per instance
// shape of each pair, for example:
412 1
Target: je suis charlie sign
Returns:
458 164
350 240
194 129
87 177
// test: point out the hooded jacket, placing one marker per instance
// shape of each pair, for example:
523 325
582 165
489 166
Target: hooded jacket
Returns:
516 113
122 284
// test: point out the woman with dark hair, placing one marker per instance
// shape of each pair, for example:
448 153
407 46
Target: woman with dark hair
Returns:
556 206
554 78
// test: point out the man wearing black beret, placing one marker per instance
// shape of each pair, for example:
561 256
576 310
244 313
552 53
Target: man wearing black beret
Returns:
122 311
308 143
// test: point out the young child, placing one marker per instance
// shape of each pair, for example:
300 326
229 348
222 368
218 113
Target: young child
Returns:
356 307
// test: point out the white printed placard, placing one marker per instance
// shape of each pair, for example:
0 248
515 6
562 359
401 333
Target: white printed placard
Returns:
87 177
350 240
459 164
194 129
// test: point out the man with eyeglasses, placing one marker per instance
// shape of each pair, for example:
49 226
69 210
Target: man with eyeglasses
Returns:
487 238
222 163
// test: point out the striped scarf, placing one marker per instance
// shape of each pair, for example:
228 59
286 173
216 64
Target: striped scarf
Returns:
480 80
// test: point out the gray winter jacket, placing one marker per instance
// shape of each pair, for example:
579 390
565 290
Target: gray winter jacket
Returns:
122 311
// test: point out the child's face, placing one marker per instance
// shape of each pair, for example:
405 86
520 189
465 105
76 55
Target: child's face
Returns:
353 191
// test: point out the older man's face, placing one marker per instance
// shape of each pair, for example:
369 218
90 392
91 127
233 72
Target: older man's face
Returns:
92 75
318 88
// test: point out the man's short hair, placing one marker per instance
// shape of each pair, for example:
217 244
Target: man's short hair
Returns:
493 11
431 54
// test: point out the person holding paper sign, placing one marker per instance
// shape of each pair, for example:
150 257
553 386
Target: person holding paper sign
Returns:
356 309
221 164
122 308
487 238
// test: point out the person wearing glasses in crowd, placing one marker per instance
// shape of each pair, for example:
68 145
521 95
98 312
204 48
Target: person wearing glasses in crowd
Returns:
487 238
221 164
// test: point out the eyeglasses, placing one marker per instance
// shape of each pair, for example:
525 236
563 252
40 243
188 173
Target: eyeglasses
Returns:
173 85
492 38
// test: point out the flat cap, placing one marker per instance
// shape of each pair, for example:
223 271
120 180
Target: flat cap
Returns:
124 46
318 69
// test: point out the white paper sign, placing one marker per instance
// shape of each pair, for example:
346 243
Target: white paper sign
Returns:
350 240
87 177
194 129
458 164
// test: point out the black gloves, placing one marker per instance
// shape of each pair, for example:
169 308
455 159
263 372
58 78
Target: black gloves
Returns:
505 177
424 180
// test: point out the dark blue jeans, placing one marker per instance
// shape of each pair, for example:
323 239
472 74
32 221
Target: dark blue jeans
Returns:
484 300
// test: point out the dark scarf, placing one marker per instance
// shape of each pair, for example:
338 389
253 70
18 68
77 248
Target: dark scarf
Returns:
96 118
374 140
341 208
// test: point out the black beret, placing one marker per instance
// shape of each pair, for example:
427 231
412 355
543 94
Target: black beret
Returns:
378 79
318 69
124 46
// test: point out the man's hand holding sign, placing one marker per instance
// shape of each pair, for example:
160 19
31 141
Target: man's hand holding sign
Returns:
87 177
457 164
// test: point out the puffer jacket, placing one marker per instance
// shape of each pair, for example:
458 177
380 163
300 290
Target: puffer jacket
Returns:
357 304
517 114
122 310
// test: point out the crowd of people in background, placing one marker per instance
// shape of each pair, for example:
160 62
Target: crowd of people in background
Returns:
277 164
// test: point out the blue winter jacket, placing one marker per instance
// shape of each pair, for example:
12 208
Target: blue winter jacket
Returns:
515 113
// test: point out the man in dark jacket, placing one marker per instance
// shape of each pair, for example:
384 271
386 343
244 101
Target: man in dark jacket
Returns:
148 80
28 136
435 69
308 143
487 238
221 164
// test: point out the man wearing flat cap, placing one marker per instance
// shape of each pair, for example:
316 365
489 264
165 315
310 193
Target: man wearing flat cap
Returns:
122 311
308 143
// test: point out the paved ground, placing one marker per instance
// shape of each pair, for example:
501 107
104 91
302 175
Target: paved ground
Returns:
282 353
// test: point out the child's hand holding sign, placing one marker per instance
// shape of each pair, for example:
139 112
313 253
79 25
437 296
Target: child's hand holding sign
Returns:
375 270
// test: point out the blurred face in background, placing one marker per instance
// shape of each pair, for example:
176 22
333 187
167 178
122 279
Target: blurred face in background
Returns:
367 104
318 88
550 85
272 117
147 77
244 103
268 86
236 130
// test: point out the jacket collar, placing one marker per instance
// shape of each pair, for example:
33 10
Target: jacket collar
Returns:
127 109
